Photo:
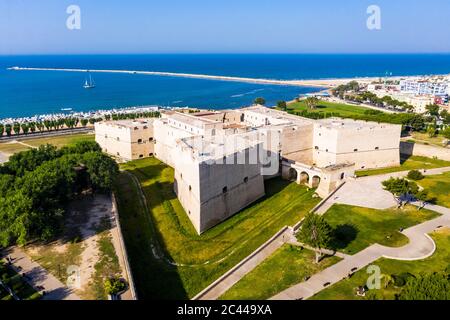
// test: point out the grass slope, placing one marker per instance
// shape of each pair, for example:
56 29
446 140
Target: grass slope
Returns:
201 259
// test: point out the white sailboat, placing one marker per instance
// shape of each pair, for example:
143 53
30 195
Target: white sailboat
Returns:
89 84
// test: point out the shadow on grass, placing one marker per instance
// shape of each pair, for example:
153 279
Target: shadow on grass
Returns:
154 278
343 235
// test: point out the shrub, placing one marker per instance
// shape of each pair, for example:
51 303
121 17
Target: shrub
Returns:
415 175
114 285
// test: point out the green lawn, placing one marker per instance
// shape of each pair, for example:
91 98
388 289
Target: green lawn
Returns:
424 138
407 163
58 141
438 187
438 262
14 281
357 228
11 148
286 267
167 228
344 110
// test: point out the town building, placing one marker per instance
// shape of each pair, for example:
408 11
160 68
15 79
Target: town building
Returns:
221 158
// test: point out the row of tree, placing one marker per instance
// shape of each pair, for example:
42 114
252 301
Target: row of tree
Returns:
36 185
68 123
373 99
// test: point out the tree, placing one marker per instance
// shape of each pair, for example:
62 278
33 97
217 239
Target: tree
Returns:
444 114
114 285
446 133
415 175
433 110
424 197
282 105
16 128
400 189
8 130
25 128
315 232
431 130
84 122
311 102
416 122
260 101
433 286
2 129
102 170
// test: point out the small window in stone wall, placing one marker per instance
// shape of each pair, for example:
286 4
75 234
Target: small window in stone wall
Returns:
139 140
377 148
355 150
246 179
150 154
190 188
150 139
141 156
225 190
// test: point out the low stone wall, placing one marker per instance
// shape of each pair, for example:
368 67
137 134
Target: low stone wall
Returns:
417 149
124 250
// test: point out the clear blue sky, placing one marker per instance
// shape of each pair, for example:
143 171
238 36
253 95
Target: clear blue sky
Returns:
222 26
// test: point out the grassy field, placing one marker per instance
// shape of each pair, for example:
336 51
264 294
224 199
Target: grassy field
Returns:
58 141
11 148
199 259
357 228
438 262
107 265
16 283
330 107
438 187
424 138
288 266
407 163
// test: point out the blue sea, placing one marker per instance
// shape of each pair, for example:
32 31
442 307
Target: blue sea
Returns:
27 93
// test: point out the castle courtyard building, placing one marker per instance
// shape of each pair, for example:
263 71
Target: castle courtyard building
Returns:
222 158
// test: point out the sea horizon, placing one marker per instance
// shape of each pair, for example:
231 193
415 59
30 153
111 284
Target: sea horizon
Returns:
29 93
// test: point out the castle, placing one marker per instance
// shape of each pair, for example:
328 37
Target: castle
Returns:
221 158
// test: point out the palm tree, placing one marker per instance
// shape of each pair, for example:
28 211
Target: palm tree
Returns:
311 102
315 232
388 280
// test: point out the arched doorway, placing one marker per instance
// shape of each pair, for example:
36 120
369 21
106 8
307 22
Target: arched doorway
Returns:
292 174
315 181
304 178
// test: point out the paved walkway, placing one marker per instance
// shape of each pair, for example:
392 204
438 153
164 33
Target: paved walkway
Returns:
420 246
368 191
39 277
